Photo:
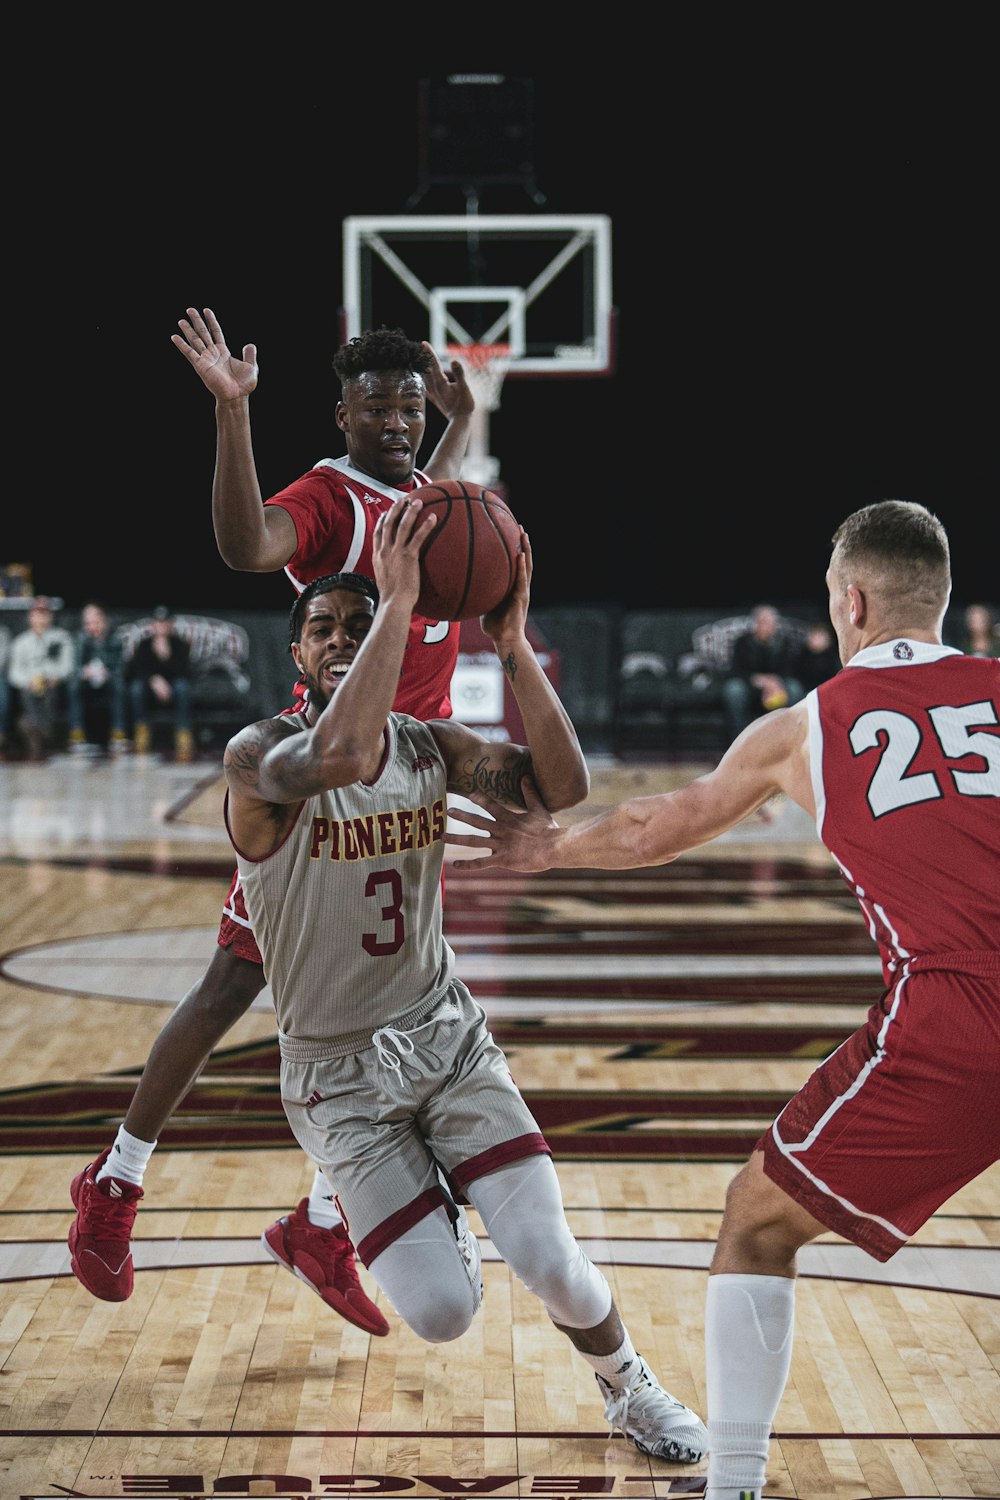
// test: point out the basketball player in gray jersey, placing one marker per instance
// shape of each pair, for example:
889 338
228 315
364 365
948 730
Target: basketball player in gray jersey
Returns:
388 1072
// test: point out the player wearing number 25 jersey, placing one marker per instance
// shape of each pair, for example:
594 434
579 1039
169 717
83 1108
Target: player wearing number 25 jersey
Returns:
905 758
898 760
905 762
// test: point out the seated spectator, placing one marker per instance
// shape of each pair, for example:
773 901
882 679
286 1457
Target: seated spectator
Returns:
158 673
95 692
4 689
981 636
41 659
818 658
762 671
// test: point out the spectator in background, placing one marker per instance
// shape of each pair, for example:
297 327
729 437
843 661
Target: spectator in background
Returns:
158 673
981 634
818 658
4 689
41 659
761 673
95 692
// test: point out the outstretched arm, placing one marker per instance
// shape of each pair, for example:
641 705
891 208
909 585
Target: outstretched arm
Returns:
451 394
770 756
251 537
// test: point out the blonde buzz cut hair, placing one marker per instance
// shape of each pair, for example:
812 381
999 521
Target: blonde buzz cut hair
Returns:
898 550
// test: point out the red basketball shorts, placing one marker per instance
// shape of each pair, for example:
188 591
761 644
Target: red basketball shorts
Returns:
903 1114
235 932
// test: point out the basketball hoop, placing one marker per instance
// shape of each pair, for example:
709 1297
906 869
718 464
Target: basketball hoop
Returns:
485 368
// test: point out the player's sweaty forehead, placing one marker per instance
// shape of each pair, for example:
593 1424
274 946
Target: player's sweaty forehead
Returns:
387 385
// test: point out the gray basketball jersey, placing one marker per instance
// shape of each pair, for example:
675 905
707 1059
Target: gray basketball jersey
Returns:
347 911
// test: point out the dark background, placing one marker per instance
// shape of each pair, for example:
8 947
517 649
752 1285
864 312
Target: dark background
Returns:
805 267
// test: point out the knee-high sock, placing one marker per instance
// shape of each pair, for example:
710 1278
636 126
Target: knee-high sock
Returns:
522 1212
749 1323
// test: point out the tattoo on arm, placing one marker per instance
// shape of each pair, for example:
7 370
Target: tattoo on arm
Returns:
243 760
501 782
509 665
242 763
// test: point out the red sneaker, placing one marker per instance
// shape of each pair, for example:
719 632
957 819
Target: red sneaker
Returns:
99 1237
324 1260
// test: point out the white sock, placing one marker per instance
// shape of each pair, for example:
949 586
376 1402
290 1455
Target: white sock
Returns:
618 1368
128 1159
749 1324
321 1207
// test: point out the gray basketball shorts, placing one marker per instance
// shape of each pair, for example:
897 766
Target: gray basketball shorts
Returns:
381 1119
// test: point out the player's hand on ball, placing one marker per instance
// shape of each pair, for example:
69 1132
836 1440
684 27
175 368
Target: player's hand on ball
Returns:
399 534
511 614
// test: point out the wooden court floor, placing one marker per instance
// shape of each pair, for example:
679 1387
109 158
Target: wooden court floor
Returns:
655 1020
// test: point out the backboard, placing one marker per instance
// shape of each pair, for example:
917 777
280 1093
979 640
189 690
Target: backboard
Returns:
540 283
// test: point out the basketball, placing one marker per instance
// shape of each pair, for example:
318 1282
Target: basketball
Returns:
469 562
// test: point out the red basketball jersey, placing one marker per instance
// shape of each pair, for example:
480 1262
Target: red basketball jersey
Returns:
335 508
905 756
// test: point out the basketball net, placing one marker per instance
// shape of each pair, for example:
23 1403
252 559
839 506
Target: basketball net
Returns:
485 367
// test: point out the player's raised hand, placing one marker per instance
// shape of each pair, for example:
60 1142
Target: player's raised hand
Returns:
511 614
399 534
203 345
507 837
448 389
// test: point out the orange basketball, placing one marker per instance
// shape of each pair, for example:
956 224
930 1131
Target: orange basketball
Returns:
469 562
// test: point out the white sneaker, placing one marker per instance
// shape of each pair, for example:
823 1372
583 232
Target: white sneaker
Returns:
658 1424
468 1248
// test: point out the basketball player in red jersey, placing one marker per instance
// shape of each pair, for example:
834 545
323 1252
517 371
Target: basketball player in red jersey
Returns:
322 523
897 758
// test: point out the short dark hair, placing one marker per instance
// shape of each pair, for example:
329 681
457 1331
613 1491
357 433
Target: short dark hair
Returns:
355 583
380 349
903 546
